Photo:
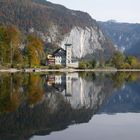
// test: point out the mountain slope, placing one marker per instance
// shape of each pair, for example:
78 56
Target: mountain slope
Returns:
56 25
135 50
126 36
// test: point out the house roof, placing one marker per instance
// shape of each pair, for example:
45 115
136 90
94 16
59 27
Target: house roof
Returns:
59 52
68 44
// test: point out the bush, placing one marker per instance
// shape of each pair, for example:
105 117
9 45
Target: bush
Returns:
87 64
125 66
55 67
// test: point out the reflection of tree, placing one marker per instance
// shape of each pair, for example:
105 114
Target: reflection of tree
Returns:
10 96
15 88
120 78
35 89
87 75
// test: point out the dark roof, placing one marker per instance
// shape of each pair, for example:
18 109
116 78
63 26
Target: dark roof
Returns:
59 52
68 44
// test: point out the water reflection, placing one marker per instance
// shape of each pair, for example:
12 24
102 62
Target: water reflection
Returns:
38 104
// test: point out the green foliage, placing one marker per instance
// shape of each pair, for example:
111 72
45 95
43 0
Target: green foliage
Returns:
125 65
120 61
87 64
132 61
120 78
55 67
87 75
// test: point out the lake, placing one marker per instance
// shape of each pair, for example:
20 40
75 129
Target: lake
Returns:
70 106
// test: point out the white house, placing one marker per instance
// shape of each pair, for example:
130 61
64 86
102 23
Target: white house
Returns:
63 57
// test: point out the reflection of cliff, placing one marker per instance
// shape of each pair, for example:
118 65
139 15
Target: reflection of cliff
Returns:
127 99
73 100
78 91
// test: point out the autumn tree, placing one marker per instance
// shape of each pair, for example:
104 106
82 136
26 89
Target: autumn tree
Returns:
3 44
10 40
14 42
34 50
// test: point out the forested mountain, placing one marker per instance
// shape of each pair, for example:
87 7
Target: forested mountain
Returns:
126 36
56 25
40 15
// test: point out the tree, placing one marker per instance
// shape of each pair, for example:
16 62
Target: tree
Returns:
34 50
133 62
3 44
18 57
3 47
10 40
14 41
87 64
118 59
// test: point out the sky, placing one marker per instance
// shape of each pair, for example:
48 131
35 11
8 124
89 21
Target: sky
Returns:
103 10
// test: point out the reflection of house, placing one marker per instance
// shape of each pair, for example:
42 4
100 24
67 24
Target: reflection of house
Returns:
62 57
63 82
76 90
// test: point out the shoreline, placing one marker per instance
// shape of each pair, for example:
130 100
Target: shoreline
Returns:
13 70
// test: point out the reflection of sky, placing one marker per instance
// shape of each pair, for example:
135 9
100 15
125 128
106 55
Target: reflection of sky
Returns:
101 127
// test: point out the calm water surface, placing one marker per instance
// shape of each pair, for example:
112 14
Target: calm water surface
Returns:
70 106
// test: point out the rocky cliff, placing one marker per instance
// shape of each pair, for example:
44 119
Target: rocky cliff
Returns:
57 25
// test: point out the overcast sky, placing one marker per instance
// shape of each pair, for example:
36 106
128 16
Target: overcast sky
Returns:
120 10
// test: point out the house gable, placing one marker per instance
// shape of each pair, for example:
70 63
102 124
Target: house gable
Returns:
59 53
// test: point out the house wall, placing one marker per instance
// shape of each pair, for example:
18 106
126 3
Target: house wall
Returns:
73 65
68 55
63 59
50 60
58 60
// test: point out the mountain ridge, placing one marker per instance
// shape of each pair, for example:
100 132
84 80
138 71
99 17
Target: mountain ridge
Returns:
126 36
57 25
